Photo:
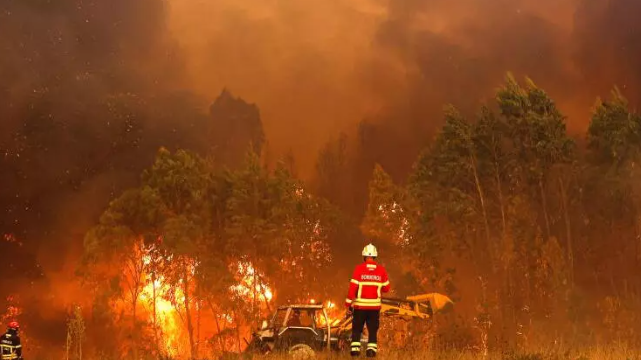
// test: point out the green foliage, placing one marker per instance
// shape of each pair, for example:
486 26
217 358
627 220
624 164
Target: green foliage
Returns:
614 135
536 127
385 217
182 180
483 194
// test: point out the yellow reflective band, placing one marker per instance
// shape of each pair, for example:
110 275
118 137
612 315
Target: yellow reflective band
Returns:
349 301
370 303
354 281
386 283
372 345
370 283
368 300
367 304
355 343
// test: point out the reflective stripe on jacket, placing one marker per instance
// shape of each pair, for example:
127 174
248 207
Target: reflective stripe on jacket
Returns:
368 283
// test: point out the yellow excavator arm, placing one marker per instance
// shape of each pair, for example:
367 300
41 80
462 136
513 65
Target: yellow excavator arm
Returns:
422 306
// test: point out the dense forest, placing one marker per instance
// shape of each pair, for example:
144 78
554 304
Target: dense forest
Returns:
533 234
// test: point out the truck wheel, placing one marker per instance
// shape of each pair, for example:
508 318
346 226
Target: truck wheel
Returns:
301 351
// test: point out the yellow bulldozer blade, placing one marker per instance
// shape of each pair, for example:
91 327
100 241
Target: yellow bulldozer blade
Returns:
438 302
421 306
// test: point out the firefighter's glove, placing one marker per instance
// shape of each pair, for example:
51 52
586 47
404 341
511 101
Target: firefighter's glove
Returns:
350 312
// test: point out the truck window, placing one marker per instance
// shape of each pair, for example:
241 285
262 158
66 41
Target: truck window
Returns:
279 318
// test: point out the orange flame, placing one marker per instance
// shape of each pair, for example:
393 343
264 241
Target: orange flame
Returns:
168 327
247 288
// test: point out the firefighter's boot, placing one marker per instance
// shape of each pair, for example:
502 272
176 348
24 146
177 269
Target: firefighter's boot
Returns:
372 349
355 349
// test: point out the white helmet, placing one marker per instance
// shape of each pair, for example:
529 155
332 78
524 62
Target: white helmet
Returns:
370 251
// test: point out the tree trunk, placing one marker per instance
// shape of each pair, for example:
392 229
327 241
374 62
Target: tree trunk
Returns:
544 204
254 309
190 326
506 297
499 187
238 331
214 314
68 346
263 292
154 298
481 195
568 231
197 325
134 304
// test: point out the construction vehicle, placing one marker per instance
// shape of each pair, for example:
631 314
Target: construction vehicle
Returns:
301 330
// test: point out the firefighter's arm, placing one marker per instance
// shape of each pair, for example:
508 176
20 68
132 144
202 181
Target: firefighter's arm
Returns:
386 286
353 287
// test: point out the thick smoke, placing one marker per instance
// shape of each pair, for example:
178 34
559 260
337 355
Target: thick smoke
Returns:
316 68
90 89
80 83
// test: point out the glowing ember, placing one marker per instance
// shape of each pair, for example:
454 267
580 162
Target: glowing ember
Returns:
403 238
10 238
12 312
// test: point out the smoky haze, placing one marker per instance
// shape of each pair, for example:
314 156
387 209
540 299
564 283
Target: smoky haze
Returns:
319 67
314 68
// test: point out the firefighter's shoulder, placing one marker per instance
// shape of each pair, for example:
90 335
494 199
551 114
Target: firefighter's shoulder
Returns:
6 339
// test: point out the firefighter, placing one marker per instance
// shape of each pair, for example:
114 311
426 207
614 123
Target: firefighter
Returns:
364 300
10 343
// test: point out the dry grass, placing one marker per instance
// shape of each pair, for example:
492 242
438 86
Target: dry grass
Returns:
605 353
613 353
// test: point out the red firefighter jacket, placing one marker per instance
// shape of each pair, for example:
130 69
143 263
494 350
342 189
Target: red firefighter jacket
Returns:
368 282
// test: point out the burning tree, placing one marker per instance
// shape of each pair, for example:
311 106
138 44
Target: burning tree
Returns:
208 248
75 335
115 249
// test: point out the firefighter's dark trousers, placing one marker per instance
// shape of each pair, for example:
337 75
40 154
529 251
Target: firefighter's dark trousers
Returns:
362 317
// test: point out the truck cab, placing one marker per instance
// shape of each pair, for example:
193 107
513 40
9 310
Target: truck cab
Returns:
300 330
